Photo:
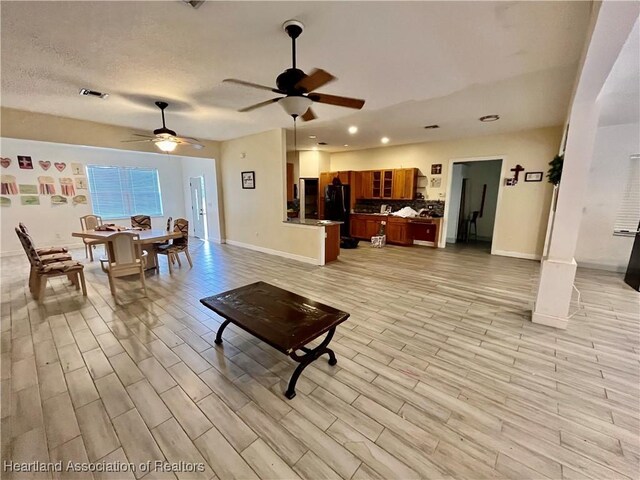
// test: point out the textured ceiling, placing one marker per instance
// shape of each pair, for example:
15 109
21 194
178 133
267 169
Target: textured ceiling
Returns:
416 63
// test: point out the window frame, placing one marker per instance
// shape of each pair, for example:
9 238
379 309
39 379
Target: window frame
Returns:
127 196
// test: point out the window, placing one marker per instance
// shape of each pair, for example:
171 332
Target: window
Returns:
629 213
120 192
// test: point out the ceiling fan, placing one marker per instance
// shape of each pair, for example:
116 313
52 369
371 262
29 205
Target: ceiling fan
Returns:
298 87
166 139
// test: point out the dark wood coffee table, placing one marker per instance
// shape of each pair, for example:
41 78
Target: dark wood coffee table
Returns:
282 319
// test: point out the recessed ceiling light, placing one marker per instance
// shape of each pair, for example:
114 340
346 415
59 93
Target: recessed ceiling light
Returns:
353 129
384 139
313 136
315 148
432 126
489 118
346 145
92 93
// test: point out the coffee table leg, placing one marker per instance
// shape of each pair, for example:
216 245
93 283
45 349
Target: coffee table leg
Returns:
218 339
310 356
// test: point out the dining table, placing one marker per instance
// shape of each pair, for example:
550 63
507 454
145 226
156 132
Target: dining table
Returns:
147 240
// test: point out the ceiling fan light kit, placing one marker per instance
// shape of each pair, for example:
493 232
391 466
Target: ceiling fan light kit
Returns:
166 139
167 145
295 106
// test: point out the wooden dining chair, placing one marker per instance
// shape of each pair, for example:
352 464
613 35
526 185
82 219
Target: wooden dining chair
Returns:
43 250
41 271
142 222
125 258
177 245
90 222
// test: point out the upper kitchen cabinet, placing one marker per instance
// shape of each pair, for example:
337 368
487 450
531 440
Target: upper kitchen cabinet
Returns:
290 182
364 184
387 184
405 181
381 184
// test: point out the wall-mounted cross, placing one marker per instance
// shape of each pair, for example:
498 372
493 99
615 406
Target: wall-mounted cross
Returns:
516 171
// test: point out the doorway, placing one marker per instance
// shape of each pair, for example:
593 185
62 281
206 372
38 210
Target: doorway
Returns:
198 207
474 190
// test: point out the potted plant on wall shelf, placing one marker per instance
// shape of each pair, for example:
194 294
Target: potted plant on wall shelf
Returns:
555 171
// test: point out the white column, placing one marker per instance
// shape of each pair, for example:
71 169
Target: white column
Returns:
559 267
610 31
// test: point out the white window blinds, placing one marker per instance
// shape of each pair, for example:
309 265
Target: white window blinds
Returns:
120 192
628 216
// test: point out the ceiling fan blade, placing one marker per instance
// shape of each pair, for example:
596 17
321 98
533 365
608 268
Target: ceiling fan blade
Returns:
252 85
258 105
190 141
309 115
137 141
144 136
316 79
336 100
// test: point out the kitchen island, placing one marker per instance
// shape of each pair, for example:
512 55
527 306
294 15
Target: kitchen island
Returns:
331 249
399 230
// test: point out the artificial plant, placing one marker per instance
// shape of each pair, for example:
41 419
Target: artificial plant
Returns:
555 171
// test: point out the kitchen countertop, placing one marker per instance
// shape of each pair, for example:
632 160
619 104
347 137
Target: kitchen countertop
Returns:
313 222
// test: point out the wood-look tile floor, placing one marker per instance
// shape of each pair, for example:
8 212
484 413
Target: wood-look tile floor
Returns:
440 373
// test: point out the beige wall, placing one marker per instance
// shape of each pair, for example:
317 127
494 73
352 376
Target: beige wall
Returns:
522 210
312 162
50 128
255 218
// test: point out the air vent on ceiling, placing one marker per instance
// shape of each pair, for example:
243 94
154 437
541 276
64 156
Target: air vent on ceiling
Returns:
92 93
431 126
322 143
193 3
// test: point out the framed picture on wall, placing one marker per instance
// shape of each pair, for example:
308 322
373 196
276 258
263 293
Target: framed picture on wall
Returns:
533 176
436 169
248 180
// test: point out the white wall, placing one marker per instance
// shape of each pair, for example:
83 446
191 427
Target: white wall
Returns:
597 246
53 225
313 162
255 218
203 167
522 218
480 174
458 173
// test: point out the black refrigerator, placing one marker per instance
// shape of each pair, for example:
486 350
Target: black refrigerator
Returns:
336 206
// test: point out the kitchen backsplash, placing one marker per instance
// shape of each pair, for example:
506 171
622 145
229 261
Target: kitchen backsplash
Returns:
373 206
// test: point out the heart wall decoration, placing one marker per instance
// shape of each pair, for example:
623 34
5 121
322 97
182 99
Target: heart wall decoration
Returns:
60 166
45 165
5 162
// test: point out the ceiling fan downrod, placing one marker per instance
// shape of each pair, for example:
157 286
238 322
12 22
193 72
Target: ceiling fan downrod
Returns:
293 28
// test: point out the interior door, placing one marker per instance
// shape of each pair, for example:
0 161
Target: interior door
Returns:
198 204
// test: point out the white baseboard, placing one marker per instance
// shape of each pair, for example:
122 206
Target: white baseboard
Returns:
424 243
13 253
299 258
603 266
527 256
549 320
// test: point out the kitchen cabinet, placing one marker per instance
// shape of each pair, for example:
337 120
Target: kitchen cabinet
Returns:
376 184
405 181
387 184
365 226
358 226
425 230
290 182
366 184
398 231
